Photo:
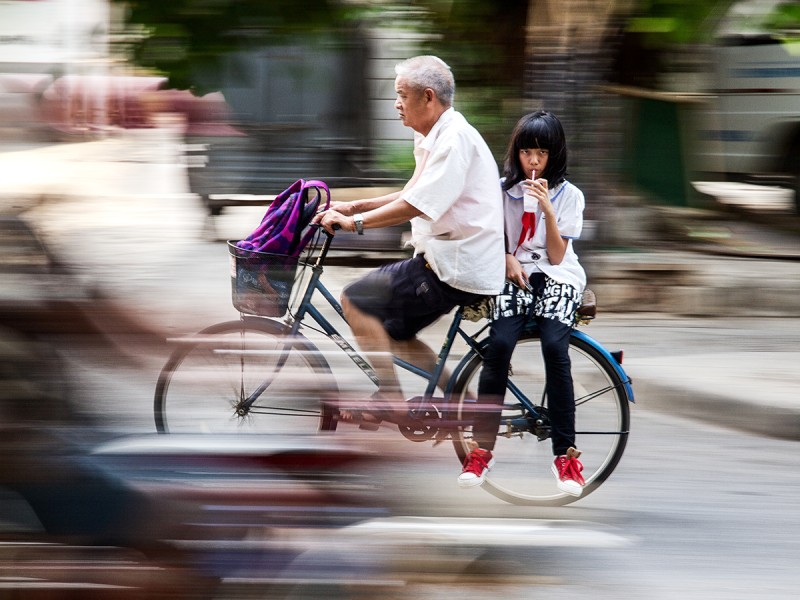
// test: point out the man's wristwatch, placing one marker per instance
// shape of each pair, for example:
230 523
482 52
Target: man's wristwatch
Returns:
358 219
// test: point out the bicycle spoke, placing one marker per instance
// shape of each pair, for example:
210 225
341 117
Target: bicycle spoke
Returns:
583 399
275 410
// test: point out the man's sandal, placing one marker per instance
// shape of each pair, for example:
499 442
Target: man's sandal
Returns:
370 418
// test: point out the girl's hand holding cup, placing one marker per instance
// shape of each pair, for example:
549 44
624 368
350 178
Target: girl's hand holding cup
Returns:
535 191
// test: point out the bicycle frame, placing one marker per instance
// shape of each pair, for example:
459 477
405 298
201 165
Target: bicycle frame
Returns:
307 309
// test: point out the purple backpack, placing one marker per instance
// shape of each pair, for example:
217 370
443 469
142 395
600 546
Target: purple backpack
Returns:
283 228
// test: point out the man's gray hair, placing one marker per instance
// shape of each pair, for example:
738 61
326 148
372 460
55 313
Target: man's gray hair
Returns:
429 72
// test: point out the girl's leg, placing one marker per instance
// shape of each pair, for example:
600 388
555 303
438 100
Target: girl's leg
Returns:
560 392
503 337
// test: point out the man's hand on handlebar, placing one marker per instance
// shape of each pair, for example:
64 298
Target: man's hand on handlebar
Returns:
332 219
346 208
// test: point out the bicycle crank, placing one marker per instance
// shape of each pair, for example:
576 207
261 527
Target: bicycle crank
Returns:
422 425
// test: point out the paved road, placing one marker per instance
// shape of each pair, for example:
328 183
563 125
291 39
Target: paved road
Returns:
694 510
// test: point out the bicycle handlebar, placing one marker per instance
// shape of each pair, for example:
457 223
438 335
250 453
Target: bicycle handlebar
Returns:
336 226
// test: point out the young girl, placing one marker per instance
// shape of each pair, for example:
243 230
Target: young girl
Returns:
544 281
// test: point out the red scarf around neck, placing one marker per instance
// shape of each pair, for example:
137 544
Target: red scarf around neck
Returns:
529 221
528 228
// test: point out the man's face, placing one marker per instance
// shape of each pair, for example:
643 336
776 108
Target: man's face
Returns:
413 105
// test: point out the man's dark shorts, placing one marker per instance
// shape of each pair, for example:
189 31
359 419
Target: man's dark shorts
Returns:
406 296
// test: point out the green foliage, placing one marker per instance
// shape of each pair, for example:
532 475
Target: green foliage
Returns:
786 20
186 39
493 111
668 22
482 40
396 159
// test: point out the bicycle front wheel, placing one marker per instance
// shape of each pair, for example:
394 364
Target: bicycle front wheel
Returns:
523 452
245 376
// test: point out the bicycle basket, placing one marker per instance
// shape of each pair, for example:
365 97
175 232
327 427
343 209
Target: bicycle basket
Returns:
261 283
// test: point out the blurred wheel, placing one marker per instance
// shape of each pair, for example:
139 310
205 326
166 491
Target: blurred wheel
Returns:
523 453
244 376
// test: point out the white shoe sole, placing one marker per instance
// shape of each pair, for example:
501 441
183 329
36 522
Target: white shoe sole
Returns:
468 483
573 489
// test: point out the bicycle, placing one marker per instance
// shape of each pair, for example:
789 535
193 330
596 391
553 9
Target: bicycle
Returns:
261 374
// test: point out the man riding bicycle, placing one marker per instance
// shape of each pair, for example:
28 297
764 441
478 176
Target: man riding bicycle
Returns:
454 203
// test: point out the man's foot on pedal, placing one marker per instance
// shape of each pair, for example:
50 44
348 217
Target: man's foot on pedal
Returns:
370 415
361 417
567 469
476 464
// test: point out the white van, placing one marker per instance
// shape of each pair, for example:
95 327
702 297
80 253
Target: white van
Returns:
752 132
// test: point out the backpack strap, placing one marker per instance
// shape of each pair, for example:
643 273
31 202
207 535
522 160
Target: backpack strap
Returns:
309 210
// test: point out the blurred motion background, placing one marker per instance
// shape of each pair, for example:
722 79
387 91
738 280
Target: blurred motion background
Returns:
659 94
137 136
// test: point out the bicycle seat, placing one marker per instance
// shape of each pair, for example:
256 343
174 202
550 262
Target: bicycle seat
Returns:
478 311
588 308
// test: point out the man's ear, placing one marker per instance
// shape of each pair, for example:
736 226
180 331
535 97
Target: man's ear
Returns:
430 95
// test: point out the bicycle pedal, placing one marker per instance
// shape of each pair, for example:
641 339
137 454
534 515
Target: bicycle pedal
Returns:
423 401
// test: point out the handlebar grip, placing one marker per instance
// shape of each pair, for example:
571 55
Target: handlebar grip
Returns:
325 231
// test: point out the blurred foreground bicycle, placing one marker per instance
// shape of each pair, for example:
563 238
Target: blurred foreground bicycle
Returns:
262 374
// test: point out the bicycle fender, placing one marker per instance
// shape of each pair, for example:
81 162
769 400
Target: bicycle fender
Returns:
456 373
626 380
617 367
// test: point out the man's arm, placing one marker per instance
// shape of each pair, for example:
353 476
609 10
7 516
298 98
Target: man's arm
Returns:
395 212
391 213
364 205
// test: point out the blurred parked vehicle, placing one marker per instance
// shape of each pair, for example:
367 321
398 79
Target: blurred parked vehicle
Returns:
752 130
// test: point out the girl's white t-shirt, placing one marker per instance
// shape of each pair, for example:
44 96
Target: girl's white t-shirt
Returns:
568 202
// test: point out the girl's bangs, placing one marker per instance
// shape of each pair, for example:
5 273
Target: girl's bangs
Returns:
535 134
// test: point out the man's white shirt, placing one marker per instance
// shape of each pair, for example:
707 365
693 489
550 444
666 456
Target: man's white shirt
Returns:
458 191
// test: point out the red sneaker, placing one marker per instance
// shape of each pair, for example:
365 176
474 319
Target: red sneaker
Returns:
476 464
567 469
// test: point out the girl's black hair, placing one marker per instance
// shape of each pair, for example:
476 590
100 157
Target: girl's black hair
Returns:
543 130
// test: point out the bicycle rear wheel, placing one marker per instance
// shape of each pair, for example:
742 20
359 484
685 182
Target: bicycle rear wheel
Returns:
209 382
523 452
